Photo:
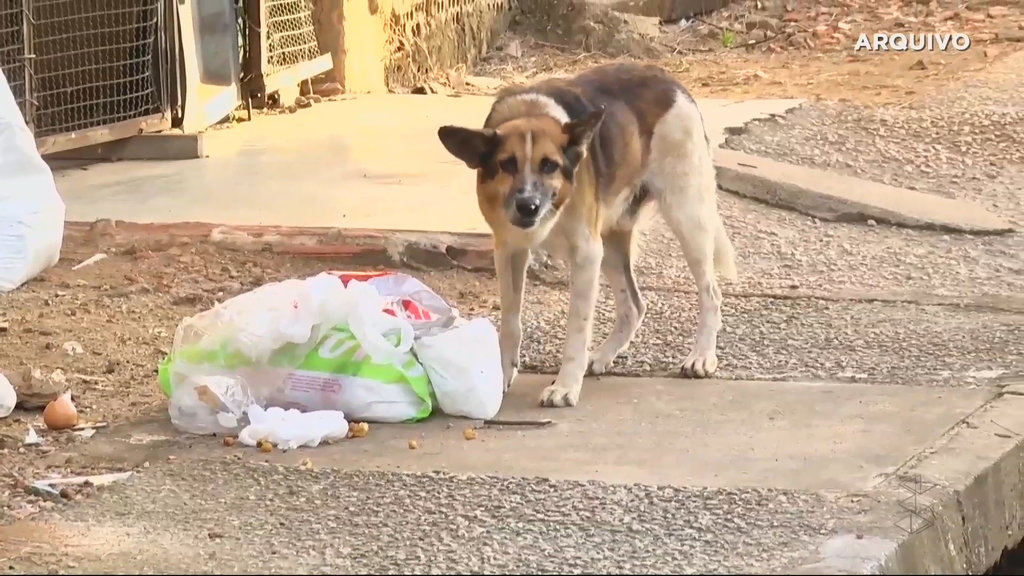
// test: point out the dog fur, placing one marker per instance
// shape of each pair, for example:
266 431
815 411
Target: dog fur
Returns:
575 166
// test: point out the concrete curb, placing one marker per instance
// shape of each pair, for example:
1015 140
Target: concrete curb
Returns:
418 250
975 515
839 198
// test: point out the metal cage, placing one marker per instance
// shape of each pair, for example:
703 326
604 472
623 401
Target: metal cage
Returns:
88 71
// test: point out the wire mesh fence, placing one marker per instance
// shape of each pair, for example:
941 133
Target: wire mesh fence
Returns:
93 63
291 37
12 48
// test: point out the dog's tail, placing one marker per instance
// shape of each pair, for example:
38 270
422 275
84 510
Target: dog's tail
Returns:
725 255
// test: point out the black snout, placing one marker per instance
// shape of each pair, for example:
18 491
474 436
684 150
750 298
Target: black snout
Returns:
528 207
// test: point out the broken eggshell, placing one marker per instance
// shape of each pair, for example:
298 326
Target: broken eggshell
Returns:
60 413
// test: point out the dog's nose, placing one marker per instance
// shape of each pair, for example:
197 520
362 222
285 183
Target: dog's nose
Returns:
528 207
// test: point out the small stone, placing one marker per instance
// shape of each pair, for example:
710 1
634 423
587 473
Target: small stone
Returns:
413 444
918 65
302 102
998 11
469 434
5 326
328 89
872 223
72 348
230 441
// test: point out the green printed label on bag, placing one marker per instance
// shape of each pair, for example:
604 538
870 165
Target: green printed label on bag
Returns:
336 358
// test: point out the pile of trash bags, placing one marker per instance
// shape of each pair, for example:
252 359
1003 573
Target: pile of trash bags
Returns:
294 361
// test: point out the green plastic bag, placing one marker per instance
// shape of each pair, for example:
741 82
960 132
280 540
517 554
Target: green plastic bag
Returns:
364 367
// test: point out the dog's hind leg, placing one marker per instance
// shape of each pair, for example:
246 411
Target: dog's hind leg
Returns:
630 308
682 175
510 265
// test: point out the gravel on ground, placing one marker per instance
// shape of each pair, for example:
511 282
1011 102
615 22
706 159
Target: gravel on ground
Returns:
288 520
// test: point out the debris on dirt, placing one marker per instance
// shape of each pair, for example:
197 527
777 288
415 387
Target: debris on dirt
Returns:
265 446
429 88
469 434
32 438
72 348
230 441
306 464
761 48
89 261
413 444
54 488
61 413
36 390
504 422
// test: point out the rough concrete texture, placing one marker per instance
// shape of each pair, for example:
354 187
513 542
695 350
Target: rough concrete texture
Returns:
771 478
830 196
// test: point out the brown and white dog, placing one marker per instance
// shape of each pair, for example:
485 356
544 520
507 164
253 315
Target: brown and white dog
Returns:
574 166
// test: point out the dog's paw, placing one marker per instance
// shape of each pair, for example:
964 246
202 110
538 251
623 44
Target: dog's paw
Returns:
560 395
700 364
599 363
509 376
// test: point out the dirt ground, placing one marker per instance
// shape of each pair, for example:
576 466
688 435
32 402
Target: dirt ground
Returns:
106 326
771 49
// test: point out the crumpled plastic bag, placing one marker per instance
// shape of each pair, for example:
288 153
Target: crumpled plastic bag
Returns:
464 367
290 429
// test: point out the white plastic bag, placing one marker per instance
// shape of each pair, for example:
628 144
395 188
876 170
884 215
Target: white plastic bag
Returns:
209 404
464 367
8 397
31 210
313 344
290 429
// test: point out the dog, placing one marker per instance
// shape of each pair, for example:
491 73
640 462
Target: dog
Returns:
575 166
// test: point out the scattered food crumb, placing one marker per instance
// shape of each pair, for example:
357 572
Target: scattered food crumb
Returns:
265 446
413 444
358 429
469 434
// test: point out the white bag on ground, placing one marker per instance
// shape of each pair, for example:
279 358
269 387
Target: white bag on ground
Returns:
8 397
31 210
291 429
464 367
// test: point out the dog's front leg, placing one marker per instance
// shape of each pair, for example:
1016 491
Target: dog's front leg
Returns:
583 287
510 265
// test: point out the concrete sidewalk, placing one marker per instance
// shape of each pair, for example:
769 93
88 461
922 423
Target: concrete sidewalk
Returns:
645 476
372 162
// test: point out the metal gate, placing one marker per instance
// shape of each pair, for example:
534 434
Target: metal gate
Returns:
281 46
87 71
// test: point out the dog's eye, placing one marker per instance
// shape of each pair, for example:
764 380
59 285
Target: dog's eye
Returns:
509 165
548 166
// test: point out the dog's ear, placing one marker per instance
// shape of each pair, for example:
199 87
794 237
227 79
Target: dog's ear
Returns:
471 146
580 132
